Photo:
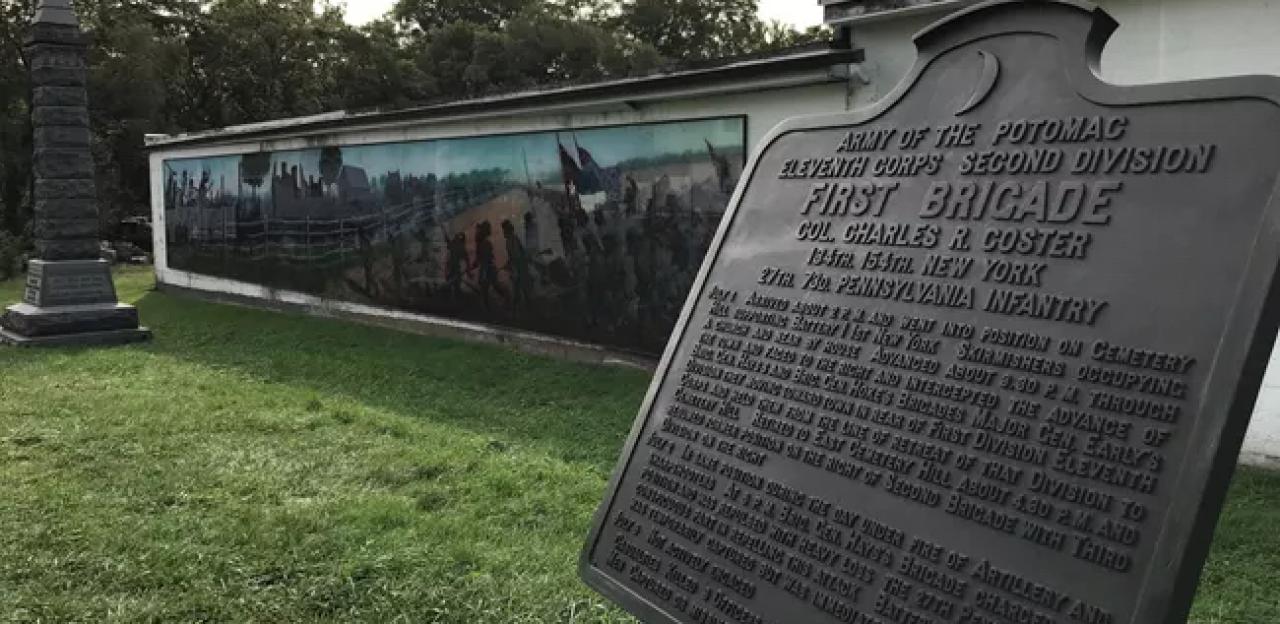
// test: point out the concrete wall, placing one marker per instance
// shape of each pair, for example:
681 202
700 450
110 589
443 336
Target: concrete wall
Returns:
1168 40
1158 41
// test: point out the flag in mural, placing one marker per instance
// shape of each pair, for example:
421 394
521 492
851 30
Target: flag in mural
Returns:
590 176
570 171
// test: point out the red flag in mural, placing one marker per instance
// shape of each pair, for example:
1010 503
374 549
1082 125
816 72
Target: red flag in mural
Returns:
569 169
569 172
591 180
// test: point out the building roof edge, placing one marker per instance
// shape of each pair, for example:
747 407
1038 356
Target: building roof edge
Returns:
731 72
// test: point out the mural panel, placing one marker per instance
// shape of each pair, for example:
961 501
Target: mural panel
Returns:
592 234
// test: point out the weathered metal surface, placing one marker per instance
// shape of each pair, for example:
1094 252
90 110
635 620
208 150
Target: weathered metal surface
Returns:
983 353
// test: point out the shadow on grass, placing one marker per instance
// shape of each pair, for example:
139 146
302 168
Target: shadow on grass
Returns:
574 411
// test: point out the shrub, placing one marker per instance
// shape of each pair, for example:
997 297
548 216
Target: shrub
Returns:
11 251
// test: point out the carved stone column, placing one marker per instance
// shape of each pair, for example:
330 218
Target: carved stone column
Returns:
70 298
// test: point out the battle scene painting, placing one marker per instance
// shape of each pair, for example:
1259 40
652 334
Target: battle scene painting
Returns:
591 234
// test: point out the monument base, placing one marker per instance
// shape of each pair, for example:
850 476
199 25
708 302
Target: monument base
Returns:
70 302
84 339
27 320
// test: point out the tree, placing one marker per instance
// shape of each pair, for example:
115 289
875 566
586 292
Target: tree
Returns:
130 66
779 36
378 69
432 15
254 60
15 117
330 164
551 49
693 30
163 66
469 49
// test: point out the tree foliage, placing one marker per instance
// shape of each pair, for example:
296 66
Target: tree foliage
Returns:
431 15
15 118
164 66
694 29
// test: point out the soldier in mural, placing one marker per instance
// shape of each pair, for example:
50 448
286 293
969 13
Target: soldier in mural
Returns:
602 230
631 196
485 264
567 223
457 266
532 233
724 171
519 267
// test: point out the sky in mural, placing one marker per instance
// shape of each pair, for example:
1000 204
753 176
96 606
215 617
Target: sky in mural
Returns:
534 155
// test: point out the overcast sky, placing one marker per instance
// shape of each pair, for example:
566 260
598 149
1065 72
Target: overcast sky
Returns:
801 13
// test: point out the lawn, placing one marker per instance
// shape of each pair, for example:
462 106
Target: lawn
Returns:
253 466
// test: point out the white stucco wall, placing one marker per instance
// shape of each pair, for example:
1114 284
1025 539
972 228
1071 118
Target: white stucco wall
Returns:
1158 41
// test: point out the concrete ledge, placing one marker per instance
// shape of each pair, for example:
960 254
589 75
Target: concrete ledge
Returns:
436 327
1260 460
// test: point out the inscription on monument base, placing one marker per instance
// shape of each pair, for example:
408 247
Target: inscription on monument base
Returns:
69 283
35 277
962 358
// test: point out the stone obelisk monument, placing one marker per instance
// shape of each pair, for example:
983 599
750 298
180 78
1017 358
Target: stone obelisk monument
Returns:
70 298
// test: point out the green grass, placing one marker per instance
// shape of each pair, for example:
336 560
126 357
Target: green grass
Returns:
252 466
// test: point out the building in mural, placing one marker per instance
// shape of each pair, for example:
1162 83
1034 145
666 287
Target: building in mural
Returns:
593 234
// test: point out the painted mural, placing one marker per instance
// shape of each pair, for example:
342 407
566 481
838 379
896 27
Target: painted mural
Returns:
592 234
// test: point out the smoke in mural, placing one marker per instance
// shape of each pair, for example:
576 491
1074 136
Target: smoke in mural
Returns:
592 234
